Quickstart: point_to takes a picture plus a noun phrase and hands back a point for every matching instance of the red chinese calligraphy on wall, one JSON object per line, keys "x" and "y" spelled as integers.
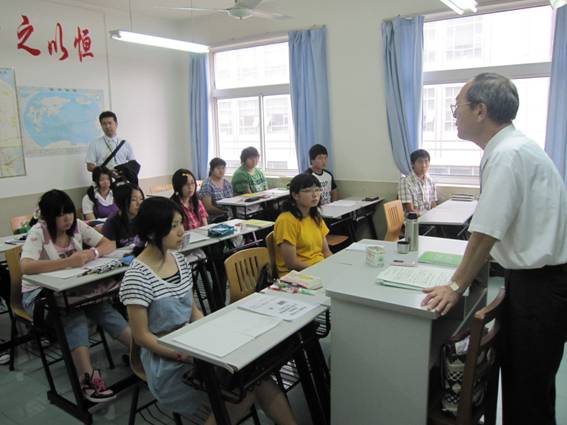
{"x": 83, "y": 43}
{"x": 57, "y": 43}
{"x": 25, "y": 30}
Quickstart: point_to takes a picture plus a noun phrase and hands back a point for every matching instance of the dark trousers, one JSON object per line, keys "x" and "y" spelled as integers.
{"x": 533, "y": 338}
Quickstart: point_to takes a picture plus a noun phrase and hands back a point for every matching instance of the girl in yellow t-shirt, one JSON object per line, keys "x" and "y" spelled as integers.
{"x": 300, "y": 232}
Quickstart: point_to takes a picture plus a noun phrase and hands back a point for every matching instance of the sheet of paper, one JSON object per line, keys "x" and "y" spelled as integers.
{"x": 360, "y": 246}
{"x": 344, "y": 203}
{"x": 245, "y": 322}
{"x": 275, "y": 306}
{"x": 121, "y": 252}
{"x": 228, "y": 332}
{"x": 213, "y": 340}
{"x": 194, "y": 237}
{"x": 66, "y": 273}
{"x": 417, "y": 277}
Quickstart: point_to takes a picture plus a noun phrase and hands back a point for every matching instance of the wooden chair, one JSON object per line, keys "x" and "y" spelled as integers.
{"x": 242, "y": 271}
{"x": 335, "y": 241}
{"x": 394, "y": 213}
{"x": 19, "y": 221}
{"x": 161, "y": 188}
{"x": 138, "y": 369}
{"x": 480, "y": 343}
{"x": 19, "y": 314}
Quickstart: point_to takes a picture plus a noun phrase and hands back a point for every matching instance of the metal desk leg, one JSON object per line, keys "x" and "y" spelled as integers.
{"x": 212, "y": 385}
{"x": 318, "y": 408}
{"x": 80, "y": 409}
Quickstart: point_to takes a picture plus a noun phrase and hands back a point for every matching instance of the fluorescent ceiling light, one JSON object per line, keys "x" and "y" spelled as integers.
{"x": 556, "y": 4}
{"x": 150, "y": 40}
{"x": 460, "y": 6}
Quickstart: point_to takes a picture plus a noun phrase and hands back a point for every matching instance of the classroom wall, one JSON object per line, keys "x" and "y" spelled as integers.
{"x": 147, "y": 88}
{"x": 360, "y": 139}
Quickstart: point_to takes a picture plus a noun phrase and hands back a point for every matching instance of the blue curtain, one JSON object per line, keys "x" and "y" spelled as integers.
{"x": 199, "y": 113}
{"x": 309, "y": 92}
{"x": 403, "y": 50}
{"x": 556, "y": 137}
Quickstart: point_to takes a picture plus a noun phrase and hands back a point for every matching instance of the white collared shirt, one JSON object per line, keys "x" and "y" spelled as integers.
{"x": 99, "y": 149}
{"x": 523, "y": 203}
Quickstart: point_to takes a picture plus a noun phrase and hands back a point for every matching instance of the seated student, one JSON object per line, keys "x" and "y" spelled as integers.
{"x": 157, "y": 291}
{"x": 417, "y": 191}
{"x": 318, "y": 158}
{"x": 99, "y": 200}
{"x": 248, "y": 178}
{"x": 185, "y": 195}
{"x": 54, "y": 243}
{"x": 300, "y": 231}
{"x": 120, "y": 227}
{"x": 215, "y": 187}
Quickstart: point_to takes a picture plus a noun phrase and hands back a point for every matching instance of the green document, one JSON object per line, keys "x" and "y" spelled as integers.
{"x": 440, "y": 258}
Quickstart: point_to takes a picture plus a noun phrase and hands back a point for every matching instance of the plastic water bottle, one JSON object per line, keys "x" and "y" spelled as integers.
{"x": 412, "y": 231}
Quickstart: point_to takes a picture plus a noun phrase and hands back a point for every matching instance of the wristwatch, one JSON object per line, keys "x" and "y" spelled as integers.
{"x": 455, "y": 287}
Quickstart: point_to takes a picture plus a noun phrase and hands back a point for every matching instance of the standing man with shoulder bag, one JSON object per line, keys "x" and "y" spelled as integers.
{"x": 108, "y": 150}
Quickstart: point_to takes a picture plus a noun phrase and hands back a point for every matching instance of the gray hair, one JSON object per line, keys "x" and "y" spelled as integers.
{"x": 498, "y": 93}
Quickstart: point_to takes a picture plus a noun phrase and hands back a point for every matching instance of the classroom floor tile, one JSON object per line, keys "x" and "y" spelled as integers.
{"x": 23, "y": 392}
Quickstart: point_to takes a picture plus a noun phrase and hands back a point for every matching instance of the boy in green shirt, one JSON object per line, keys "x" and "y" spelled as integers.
{"x": 247, "y": 178}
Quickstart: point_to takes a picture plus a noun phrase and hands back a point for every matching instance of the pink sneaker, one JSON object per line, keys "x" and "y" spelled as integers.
{"x": 94, "y": 388}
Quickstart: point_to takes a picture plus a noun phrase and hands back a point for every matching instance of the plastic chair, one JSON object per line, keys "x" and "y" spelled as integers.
{"x": 271, "y": 245}
{"x": 480, "y": 343}
{"x": 242, "y": 271}
{"x": 19, "y": 221}
{"x": 394, "y": 213}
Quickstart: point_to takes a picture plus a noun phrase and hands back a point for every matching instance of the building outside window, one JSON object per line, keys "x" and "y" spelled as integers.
{"x": 252, "y": 107}
{"x": 515, "y": 43}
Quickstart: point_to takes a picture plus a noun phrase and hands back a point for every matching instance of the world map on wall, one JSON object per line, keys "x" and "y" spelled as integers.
{"x": 59, "y": 121}
{"x": 11, "y": 149}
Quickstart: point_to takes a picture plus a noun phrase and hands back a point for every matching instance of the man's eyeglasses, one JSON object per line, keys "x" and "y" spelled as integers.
{"x": 456, "y": 105}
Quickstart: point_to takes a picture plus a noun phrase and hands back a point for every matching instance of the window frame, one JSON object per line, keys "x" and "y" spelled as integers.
{"x": 462, "y": 75}
{"x": 259, "y": 92}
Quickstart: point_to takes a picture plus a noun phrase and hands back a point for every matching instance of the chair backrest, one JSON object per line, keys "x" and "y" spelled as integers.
{"x": 17, "y": 222}
{"x": 136, "y": 362}
{"x": 13, "y": 261}
{"x": 271, "y": 245}
{"x": 242, "y": 271}
{"x": 161, "y": 188}
{"x": 394, "y": 220}
{"x": 480, "y": 344}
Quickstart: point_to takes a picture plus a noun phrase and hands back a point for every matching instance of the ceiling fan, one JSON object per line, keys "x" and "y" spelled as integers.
{"x": 242, "y": 9}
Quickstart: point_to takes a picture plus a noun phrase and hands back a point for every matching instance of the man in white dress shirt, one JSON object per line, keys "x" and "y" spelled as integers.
{"x": 521, "y": 220}
{"x": 102, "y": 147}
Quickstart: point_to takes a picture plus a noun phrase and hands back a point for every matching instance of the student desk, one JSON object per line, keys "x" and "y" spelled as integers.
{"x": 296, "y": 333}
{"x": 79, "y": 408}
{"x": 384, "y": 343}
{"x": 451, "y": 213}
{"x": 350, "y": 211}
{"x": 270, "y": 196}
{"x": 4, "y": 246}
{"x": 213, "y": 247}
